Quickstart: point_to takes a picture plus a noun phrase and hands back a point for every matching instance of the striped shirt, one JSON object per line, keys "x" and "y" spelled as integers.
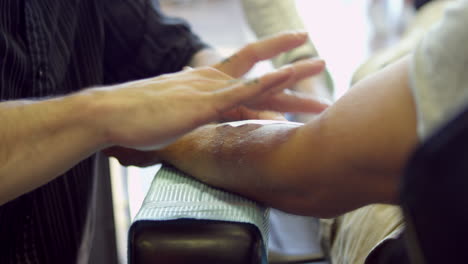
{"x": 55, "y": 47}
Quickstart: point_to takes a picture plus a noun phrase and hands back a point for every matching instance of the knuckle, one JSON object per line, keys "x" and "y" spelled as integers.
{"x": 249, "y": 50}
{"x": 206, "y": 69}
{"x": 214, "y": 72}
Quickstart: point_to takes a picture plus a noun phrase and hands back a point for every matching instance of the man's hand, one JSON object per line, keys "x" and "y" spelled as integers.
{"x": 235, "y": 67}
{"x": 151, "y": 113}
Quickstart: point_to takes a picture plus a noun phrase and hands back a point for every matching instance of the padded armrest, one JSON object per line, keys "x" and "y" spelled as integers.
{"x": 185, "y": 221}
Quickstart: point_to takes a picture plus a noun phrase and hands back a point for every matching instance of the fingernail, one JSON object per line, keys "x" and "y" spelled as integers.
{"x": 294, "y": 34}
{"x": 289, "y": 69}
{"x": 325, "y": 102}
{"x": 301, "y": 34}
{"x": 315, "y": 61}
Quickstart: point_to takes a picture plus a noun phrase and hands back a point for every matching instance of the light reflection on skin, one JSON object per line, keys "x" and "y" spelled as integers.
{"x": 248, "y": 134}
{"x": 261, "y": 122}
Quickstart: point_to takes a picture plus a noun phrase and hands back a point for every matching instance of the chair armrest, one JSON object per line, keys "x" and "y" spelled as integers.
{"x": 185, "y": 221}
{"x": 194, "y": 241}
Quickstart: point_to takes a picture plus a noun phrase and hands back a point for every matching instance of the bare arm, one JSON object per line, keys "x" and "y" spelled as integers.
{"x": 350, "y": 156}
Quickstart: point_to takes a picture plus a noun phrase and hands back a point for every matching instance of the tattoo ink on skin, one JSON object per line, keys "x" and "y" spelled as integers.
{"x": 253, "y": 81}
{"x": 228, "y": 59}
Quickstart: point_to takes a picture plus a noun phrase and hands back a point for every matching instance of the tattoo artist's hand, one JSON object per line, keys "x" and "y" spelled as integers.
{"x": 234, "y": 67}
{"x": 151, "y": 113}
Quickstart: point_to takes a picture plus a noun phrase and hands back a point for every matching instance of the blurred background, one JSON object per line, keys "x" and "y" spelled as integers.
{"x": 345, "y": 32}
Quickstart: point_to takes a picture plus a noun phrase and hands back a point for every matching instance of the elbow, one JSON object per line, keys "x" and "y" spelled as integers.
{"x": 317, "y": 195}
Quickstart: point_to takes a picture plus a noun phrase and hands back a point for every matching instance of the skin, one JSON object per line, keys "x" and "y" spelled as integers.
{"x": 55, "y": 134}
{"x": 350, "y": 156}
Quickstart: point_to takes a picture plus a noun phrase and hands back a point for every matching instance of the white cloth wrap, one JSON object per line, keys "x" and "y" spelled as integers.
{"x": 174, "y": 195}
{"x": 269, "y": 17}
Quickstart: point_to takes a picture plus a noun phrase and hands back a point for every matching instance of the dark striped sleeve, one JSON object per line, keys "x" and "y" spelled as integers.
{"x": 142, "y": 42}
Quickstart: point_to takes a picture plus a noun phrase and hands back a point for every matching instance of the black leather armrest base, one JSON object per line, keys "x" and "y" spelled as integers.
{"x": 194, "y": 241}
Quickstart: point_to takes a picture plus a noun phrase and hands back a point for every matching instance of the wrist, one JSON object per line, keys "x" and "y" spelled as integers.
{"x": 91, "y": 113}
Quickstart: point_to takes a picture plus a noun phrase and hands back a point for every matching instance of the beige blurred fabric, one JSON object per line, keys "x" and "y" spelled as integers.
{"x": 429, "y": 15}
{"x": 351, "y": 237}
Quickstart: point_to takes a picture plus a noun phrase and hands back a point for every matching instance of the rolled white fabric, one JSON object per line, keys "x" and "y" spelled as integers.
{"x": 269, "y": 17}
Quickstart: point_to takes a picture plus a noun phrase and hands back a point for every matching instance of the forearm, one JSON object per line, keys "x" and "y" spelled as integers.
{"x": 276, "y": 164}
{"x": 42, "y": 139}
{"x": 350, "y": 156}
{"x": 236, "y": 158}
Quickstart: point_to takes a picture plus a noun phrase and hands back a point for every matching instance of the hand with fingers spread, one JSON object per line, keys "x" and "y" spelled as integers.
{"x": 198, "y": 103}
{"x": 151, "y": 113}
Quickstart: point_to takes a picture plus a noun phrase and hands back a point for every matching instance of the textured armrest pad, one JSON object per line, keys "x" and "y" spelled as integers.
{"x": 185, "y": 221}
